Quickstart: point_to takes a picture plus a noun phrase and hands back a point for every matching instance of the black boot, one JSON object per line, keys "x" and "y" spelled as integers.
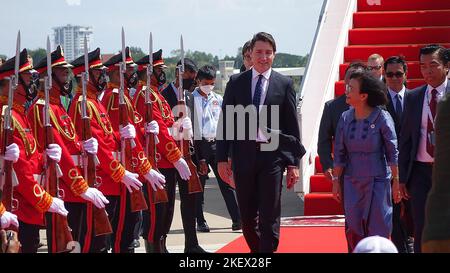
{"x": 163, "y": 244}
{"x": 149, "y": 247}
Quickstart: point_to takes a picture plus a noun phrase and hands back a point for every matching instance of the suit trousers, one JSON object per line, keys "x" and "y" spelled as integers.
{"x": 258, "y": 189}
{"x": 419, "y": 186}
{"x": 187, "y": 206}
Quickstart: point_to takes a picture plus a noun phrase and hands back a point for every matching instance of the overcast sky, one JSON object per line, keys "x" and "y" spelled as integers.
{"x": 219, "y": 27}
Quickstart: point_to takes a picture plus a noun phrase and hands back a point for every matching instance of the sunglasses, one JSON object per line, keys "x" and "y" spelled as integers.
{"x": 396, "y": 74}
{"x": 370, "y": 68}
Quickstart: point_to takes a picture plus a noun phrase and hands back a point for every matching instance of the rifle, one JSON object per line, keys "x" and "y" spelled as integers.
{"x": 61, "y": 233}
{"x": 100, "y": 217}
{"x": 160, "y": 195}
{"x": 7, "y": 183}
{"x": 194, "y": 185}
{"x": 137, "y": 199}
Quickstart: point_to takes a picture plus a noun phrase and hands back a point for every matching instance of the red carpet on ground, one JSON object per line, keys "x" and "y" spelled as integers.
{"x": 300, "y": 240}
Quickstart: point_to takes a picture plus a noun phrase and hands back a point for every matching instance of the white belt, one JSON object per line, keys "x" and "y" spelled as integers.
{"x": 78, "y": 160}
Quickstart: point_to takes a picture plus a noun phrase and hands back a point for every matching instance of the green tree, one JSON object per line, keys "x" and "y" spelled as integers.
{"x": 37, "y": 55}
{"x": 137, "y": 53}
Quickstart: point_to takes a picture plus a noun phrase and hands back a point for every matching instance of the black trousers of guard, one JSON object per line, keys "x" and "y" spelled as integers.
{"x": 29, "y": 237}
{"x": 188, "y": 203}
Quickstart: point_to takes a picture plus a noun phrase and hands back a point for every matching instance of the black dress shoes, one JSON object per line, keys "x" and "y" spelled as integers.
{"x": 202, "y": 227}
{"x": 236, "y": 226}
{"x": 195, "y": 249}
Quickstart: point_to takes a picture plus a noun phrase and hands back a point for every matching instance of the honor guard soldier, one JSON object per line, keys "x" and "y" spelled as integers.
{"x": 113, "y": 178}
{"x": 111, "y": 101}
{"x": 75, "y": 188}
{"x": 29, "y": 199}
{"x": 170, "y": 160}
{"x": 155, "y": 218}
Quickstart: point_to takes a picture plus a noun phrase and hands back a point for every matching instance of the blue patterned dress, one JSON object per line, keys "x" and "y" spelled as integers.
{"x": 365, "y": 149}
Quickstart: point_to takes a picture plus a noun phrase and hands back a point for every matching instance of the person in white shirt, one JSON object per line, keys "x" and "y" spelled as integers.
{"x": 417, "y": 136}
{"x": 205, "y": 112}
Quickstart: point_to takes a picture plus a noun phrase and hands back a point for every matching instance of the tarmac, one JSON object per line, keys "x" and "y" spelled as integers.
{"x": 216, "y": 216}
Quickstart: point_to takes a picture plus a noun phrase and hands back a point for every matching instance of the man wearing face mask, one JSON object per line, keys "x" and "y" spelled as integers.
{"x": 205, "y": 111}
{"x": 170, "y": 93}
{"x": 76, "y": 190}
{"x": 33, "y": 200}
{"x": 111, "y": 102}
{"x": 115, "y": 180}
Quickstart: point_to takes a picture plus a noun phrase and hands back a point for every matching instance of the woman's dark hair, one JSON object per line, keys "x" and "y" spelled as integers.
{"x": 373, "y": 87}
{"x": 264, "y": 37}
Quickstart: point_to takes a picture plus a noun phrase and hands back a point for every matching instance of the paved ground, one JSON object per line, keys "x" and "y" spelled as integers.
{"x": 218, "y": 220}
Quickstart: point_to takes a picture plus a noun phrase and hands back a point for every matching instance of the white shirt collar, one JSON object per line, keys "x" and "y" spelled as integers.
{"x": 266, "y": 74}
{"x": 441, "y": 88}
{"x": 401, "y": 93}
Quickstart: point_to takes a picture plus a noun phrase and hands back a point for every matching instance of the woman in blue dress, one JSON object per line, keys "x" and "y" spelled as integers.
{"x": 366, "y": 151}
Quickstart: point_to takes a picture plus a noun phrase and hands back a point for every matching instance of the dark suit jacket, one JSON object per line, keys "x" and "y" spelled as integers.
{"x": 332, "y": 112}
{"x": 410, "y": 130}
{"x": 170, "y": 95}
{"x": 280, "y": 92}
{"x": 438, "y": 206}
{"x": 391, "y": 109}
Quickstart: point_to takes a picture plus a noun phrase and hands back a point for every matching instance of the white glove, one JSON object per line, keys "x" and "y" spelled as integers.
{"x": 12, "y": 153}
{"x": 96, "y": 197}
{"x": 91, "y": 145}
{"x": 152, "y": 127}
{"x": 131, "y": 181}
{"x": 155, "y": 179}
{"x": 57, "y": 206}
{"x": 128, "y": 131}
{"x": 54, "y": 152}
{"x": 182, "y": 168}
{"x": 7, "y": 219}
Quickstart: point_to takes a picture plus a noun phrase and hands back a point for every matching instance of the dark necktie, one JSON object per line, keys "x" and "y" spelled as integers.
{"x": 258, "y": 91}
{"x": 257, "y": 98}
{"x": 430, "y": 124}
{"x": 398, "y": 106}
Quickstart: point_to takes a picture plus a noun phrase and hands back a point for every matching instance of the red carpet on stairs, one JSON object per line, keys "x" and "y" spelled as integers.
{"x": 386, "y": 27}
{"x": 300, "y": 240}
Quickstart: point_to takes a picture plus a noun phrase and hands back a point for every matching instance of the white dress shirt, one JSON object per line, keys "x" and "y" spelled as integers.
{"x": 402, "y": 97}
{"x": 265, "y": 85}
{"x": 422, "y": 154}
{"x": 207, "y": 113}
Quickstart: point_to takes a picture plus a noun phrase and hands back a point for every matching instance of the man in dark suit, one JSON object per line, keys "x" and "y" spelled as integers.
{"x": 332, "y": 112}
{"x": 170, "y": 93}
{"x": 257, "y": 163}
{"x": 395, "y": 74}
{"x": 417, "y": 136}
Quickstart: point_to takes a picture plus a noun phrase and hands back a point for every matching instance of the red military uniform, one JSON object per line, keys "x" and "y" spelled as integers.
{"x": 110, "y": 101}
{"x": 110, "y": 170}
{"x": 167, "y": 148}
{"x": 32, "y": 197}
{"x": 65, "y": 136}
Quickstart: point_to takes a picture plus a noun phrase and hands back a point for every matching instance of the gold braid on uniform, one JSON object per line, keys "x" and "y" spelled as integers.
{"x": 118, "y": 171}
{"x": 45, "y": 199}
{"x": 91, "y": 108}
{"x": 173, "y": 153}
{"x": 2, "y": 209}
{"x": 29, "y": 148}
{"x": 78, "y": 185}
{"x": 156, "y": 99}
{"x": 144, "y": 165}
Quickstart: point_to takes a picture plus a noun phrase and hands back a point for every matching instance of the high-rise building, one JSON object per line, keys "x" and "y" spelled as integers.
{"x": 71, "y": 38}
